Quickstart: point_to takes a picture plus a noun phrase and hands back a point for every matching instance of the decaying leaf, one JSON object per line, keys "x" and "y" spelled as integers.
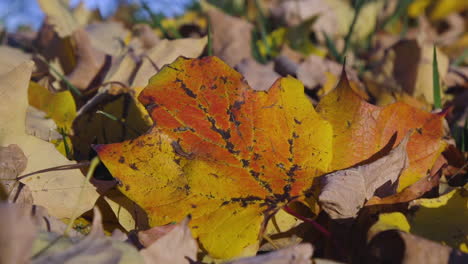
{"x": 231, "y": 37}
{"x": 12, "y": 163}
{"x": 215, "y": 154}
{"x": 344, "y": 192}
{"x": 361, "y": 131}
{"x": 260, "y": 77}
{"x": 313, "y": 71}
{"x": 177, "y": 246}
{"x": 89, "y": 63}
{"x": 58, "y": 191}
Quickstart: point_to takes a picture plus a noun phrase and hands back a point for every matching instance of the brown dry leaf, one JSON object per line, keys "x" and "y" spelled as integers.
{"x": 415, "y": 190}
{"x": 295, "y": 12}
{"x": 298, "y": 254}
{"x": 94, "y": 248}
{"x": 260, "y": 77}
{"x": 89, "y": 63}
{"x": 177, "y": 246}
{"x": 313, "y": 71}
{"x": 58, "y": 191}
{"x": 146, "y": 34}
{"x": 108, "y": 37}
{"x": 17, "y": 234}
{"x": 165, "y": 52}
{"x": 334, "y": 16}
{"x": 394, "y": 246}
{"x": 232, "y": 37}
{"x": 344, "y": 192}
{"x": 117, "y": 80}
{"x": 12, "y": 163}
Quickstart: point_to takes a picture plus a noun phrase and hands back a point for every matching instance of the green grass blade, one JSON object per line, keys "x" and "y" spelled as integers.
{"x": 436, "y": 81}
{"x": 72, "y": 88}
{"x": 357, "y": 10}
{"x": 332, "y": 48}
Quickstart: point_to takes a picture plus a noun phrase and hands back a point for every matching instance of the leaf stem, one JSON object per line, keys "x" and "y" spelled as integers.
{"x": 92, "y": 167}
{"x": 317, "y": 226}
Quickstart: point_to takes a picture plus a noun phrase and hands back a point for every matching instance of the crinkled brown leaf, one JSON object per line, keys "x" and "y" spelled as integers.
{"x": 232, "y": 37}
{"x": 344, "y": 192}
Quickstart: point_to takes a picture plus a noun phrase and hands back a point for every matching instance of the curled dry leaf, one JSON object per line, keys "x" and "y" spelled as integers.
{"x": 361, "y": 131}
{"x": 58, "y": 191}
{"x": 176, "y": 246}
{"x": 12, "y": 163}
{"x": 17, "y": 233}
{"x": 344, "y": 192}
{"x": 89, "y": 61}
{"x": 298, "y": 254}
{"x": 216, "y": 155}
{"x": 231, "y": 37}
{"x": 415, "y": 190}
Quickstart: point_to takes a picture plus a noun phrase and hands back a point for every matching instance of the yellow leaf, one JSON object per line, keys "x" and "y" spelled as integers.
{"x": 215, "y": 154}
{"x": 443, "y": 219}
{"x": 389, "y": 221}
{"x": 58, "y": 106}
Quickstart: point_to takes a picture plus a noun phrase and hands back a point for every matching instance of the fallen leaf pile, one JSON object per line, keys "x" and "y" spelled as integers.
{"x": 305, "y": 131}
